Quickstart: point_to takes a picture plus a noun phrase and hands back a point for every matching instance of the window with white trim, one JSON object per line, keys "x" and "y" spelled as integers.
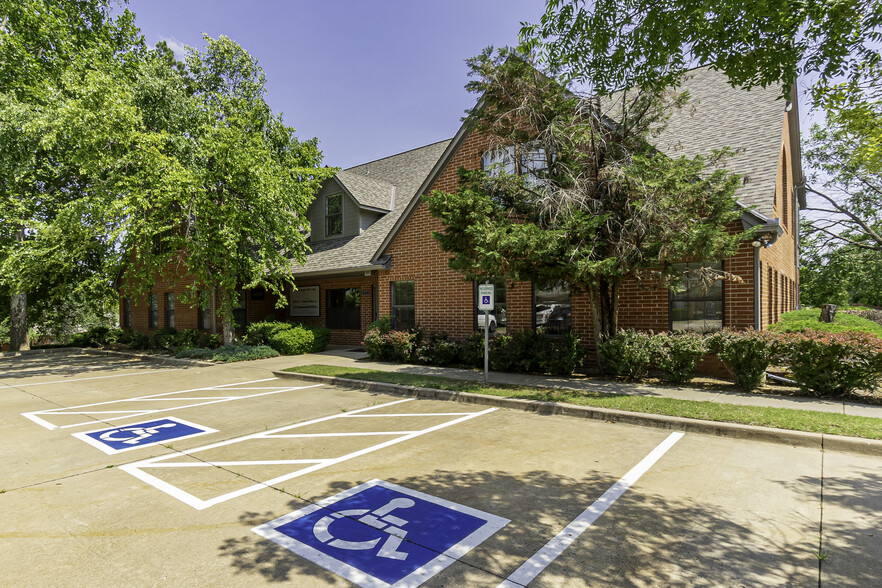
{"x": 333, "y": 215}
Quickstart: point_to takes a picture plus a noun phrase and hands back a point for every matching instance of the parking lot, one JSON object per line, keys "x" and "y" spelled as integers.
{"x": 115, "y": 471}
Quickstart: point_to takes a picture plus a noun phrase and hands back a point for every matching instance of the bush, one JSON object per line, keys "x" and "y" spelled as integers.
{"x": 565, "y": 356}
{"x": 677, "y": 355}
{"x": 210, "y": 340}
{"x": 472, "y": 351}
{"x": 382, "y": 324}
{"x": 230, "y": 353}
{"x": 321, "y": 337}
{"x": 97, "y": 337}
{"x": 260, "y": 333}
{"x": 139, "y": 341}
{"x": 628, "y": 354}
{"x": 747, "y": 354}
{"x": 438, "y": 350}
{"x": 404, "y": 344}
{"x": 186, "y": 339}
{"x": 294, "y": 341}
{"x": 378, "y": 347}
{"x": 833, "y": 364}
{"x": 163, "y": 339}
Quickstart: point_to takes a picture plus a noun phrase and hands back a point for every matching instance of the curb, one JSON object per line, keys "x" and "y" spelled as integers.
{"x": 147, "y": 357}
{"x": 819, "y": 441}
{"x": 34, "y": 351}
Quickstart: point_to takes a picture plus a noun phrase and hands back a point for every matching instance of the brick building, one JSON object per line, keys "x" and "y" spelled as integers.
{"x": 373, "y": 254}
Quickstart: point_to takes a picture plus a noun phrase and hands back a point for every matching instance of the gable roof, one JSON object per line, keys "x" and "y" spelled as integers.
{"x": 366, "y": 191}
{"x": 717, "y": 115}
{"x": 390, "y": 183}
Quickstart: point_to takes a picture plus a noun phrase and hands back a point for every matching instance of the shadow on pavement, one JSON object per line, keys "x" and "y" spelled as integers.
{"x": 643, "y": 540}
{"x": 64, "y": 363}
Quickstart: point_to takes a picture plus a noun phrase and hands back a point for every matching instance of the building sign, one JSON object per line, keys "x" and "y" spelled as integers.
{"x": 128, "y": 437}
{"x": 381, "y": 534}
{"x": 305, "y": 301}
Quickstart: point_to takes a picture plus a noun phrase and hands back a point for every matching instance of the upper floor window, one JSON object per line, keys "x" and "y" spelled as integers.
{"x": 531, "y": 164}
{"x": 696, "y": 305}
{"x": 333, "y": 215}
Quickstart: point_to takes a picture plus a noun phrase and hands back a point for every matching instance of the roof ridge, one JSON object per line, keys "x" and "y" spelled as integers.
{"x": 396, "y": 154}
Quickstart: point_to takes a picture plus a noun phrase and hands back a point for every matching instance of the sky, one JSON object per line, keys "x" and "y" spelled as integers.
{"x": 369, "y": 78}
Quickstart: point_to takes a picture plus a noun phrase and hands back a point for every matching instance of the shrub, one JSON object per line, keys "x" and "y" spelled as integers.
{"x": 139, "y": 340}
{"x": 321, "y": 337}
{"x": 404, "y": 344}
{"x": 438, "y": 350}
{"x": 382, "y": 324}
{"x": 677, "y": 355}
{"x": 378, "y": 347}
{"x": 230, "y": 353}
{"x": 747, "y": 354}
{"x": 186, "y": 339}
{"x": 628, "y": 354}
{"x": 163, "y": 339}
{"x": 564, "y": 357}
{"x": 833, "y": 364}
{"x": 210, "y": 340}
{"x": 472, "y": 352}
{"x": 295, "y": 341}
{"x": 260, "y": 333}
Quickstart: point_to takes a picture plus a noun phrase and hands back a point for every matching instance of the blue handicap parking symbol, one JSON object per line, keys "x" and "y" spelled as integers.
{"x": 380, "y": 534}
{"x": 485, "y": 300}
{"x": 127, "y": 437}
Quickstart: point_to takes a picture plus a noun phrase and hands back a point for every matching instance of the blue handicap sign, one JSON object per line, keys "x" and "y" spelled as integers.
{"x": 133, "y": 436}
{"x": 380, "y": 534}
{"x": 485, "y": 300}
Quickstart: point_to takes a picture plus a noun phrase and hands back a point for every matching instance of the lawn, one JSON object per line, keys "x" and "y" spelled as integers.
{"x": 780, "y": 418}
{"x": 799, "y": 320}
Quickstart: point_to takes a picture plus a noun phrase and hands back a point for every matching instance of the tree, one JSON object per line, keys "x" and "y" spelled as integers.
{"x": 846, "y": 187}
{"x": 233, "y": 210}
{"x": 617, "y": 43}
{"x": 61, "y": 125}
{"x": 594, "y": 204}
{"x": 839, "y": 273}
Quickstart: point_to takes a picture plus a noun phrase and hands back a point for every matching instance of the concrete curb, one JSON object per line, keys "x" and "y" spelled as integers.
{"x": 858, "y": 445}
{"x": 34, "y": 351}
{"x": 164, "y": 359}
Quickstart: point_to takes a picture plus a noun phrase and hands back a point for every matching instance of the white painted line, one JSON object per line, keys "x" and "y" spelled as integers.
{"x": 84, "y": 379}
{"x": 364, "y": 434}
{"x": 414, "y": 414}
{"x": 137, "y": 469}
{"x": 205, "y": 464}
{"x": 40, "y": 417}
{"x": 541, "y": 560}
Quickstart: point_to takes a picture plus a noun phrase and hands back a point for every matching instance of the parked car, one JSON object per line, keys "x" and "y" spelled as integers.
{"x": 482, "y": 321}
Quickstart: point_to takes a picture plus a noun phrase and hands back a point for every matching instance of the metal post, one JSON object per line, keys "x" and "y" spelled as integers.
{"x": 486, "y": 343}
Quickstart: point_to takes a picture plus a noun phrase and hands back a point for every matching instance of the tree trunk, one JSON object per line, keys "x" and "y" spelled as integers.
{"x": 18, "y": 315}
{"x": 604, "y": 297}
{"x": 828, "y": 313}
{"x": 18, "y": 323}
{"x": 225, "y": 307}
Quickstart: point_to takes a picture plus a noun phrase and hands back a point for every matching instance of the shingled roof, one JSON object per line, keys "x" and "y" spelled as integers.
{"x": 390, "y": 184}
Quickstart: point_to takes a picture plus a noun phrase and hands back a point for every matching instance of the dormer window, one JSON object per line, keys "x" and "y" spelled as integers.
{"x": 333, "y": 215}
{"x": 532, "y": 164}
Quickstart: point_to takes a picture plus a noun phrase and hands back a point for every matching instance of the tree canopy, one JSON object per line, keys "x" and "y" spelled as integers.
{"x": 576, "y": 193}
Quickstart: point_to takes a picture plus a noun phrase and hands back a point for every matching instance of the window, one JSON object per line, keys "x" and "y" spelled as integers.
{"x": 205, "y": 314}
{"x": 497, "y": 315}
{"x": 170, "y": 310}
{"x": 552, "y": 309}
{"x": 696, "y": 305}
{"x": 153, "y": 312}
{"x": 240, "y": 314}
{"x": 531, "y": 164}
{"x": 403, "y": 305}
{"x": 127, "y": 313}
{"x": 344, "y": 308}
{"x": 333, "y": 215}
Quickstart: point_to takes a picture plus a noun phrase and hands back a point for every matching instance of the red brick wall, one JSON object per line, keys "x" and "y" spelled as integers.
{"x": 339, "y": 336}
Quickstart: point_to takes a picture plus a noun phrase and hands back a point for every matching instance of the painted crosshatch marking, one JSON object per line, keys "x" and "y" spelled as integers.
{"x": 379, "y": 534}
{"x": 136, "y": 435}
{"x": 217, "y": 462}
{"x": 114, "y": 410}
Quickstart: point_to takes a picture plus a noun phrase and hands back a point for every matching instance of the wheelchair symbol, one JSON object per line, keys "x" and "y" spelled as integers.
{"x": 135, "y": 434}
{"x": 379, "y": 519}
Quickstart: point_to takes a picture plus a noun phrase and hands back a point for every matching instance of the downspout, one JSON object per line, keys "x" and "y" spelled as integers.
{"x": 757, "y": 291}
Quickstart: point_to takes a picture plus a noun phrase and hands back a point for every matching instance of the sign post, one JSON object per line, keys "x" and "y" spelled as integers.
{"x": 486, "y": 302}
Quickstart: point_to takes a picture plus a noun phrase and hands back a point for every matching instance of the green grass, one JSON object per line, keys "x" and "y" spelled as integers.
{"x": 779, "y": 418}
{"x": 799, "y": 320}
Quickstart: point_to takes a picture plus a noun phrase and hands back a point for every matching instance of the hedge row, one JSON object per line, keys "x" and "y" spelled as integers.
{"x": 288, "y": 338}
{"x": 821, "y": 363}
{"x": 522, "y": 352}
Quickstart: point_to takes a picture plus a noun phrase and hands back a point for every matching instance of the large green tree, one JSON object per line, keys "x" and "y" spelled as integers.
{"x": 233, "y": 211}
{"x": 578, "y": 194}
{"x": 63, "y": 125}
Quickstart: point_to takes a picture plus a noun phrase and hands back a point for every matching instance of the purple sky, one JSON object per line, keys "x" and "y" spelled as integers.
{"x": 369, "y": 78}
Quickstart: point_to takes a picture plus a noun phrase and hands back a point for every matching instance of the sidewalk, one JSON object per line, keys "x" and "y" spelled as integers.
{"x": 344, "y": 356}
